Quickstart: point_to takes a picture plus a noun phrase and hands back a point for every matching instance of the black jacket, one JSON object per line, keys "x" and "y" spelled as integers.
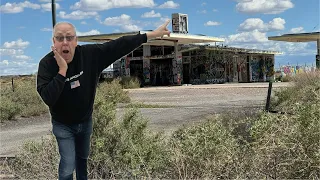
{"x": 70, "y": 99}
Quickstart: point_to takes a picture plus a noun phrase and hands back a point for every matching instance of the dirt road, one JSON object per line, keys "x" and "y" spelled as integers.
{"x": 190, "y": 104}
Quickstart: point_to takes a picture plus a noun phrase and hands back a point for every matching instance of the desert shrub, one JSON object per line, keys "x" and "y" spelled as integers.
{"x": 37, "y": 160}
{"x": 27, "y": 95}
{"x": 286, "y": 78}
{"x": 111, "y": 92}
{"x": 23, "y": 101}
{"x": 8, "y": 109}
{"x": 125, "y": 148}
{"x": 305, "y": 90}
{"x": 287, "y": 146}
{"x": 205, "y": 151}
{"x": 130, "y": 82}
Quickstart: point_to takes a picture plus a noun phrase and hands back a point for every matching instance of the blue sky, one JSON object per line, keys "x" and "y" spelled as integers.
{"x": 26, "y": 25}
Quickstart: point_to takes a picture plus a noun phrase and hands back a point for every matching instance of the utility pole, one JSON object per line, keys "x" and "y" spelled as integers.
{"x": 53, "y": 8}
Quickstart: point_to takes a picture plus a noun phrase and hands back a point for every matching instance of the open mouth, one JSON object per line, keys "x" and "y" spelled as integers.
{"x": 65, "y": 51}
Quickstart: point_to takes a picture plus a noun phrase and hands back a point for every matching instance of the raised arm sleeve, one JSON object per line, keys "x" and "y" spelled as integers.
{"x": 49, "y": 87}
{"x": 115, "y": 49}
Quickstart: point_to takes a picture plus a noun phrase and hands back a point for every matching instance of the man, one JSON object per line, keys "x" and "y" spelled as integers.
{"x": 67, "y": 80}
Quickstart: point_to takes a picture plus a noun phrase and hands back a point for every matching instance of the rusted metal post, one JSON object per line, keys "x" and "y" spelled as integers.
{"x": 268, "y": 96}
{"x": 12, "y": 84}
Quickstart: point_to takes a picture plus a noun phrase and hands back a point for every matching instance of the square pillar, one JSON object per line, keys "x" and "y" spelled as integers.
{"x": 235, "y": 68}
{"x": 146, "y": 63}
{"x": 177, "y": 65}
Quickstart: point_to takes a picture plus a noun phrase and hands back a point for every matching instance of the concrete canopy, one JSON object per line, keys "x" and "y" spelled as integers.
{"x": 301, "y": 37}
{"x": 165, "y": 41}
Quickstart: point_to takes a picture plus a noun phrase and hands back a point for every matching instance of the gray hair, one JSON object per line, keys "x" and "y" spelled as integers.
{"x": 55, "y": 26}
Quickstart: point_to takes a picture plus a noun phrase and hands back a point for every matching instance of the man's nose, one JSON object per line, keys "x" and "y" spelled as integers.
{"x": 65, "y": 40}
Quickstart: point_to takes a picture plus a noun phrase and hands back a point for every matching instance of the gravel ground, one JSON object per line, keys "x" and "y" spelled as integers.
{"x": 190, "y": 104}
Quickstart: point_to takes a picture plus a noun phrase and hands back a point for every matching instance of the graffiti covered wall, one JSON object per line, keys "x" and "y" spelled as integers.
{"x": 293, "y": 70}
{"x": 208, "y": 67}
{"x": 261, "y": 68}
{"x": 212, "y": 66}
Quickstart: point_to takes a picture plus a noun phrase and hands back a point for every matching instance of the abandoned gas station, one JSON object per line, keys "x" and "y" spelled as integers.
{"x": 184, "y": 58}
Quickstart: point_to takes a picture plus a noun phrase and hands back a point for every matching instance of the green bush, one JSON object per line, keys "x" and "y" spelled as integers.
{"x": 130, "y": 82}
{"x": 8, "y": 109}
{"x": 125, "y": 148}
{"x": 23, "y": 101}
{"x": 287, "y": 146}
{"x": 286, "y": 78}
{"x": 305, "y": 90}
{"x": 37, "y": 160}
{"x": 206, "y": 151}
{"x": 111, "y": 92}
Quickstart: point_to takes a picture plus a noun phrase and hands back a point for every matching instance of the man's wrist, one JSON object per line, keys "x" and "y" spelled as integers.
{"x": 151, "y": 35}
{"x": 63, "y": 72}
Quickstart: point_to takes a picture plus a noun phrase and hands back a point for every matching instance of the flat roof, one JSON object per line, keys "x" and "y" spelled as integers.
{"x": 299, "y": 37}
{"x": 226, "y": 48}
{"x": 165, "y": 41}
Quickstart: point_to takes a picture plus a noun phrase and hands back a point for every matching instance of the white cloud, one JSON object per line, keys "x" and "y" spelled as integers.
{"x": 19, "y": 44}
{"x": 77, "y": 15}
{"x": 83, "y": 22}
{"x": 92, "y": 32}
{"x": 296, "y": 30}
{"x": 203, "y": 4}
{"x": 117, "y": 20}
{"x": 17, "y": 7}
{"x": 215, "y": 10}
{"x": 255, "y": 23}
{"x": 212, "y": 23}
{"x": 17, "y": 67}
{"x": 46, "y": 29}
{"x": 11, "y": 52}
{"x": 100, "y": 5}
{"x": 131, "y": 27}
{"x": 247, "y": 37}
{"x": 16, "y": 62}
{"x": 169, "y": 5}
{"x": 150, "y": 14}
{"x": 22, "y": 57}
{"x": 15, "y": 49}
{"x": 47, "y": 6}
{"x": 5, "y": 62}
{"x": 259, "y": 40}
{"x": 124, "y": 21}
{"x": 264, "y": 6}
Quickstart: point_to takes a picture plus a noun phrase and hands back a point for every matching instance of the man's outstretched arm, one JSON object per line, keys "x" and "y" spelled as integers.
{"x": 113, "y": 50}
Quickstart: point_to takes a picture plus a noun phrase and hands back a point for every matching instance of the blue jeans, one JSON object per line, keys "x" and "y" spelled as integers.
{"x": 74, "y": 146}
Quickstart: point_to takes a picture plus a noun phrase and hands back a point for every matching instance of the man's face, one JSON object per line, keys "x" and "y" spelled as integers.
{"x": 65, "y": 41}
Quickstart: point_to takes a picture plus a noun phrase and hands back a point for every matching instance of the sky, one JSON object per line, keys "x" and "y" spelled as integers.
{"x": 26, "y": 26}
